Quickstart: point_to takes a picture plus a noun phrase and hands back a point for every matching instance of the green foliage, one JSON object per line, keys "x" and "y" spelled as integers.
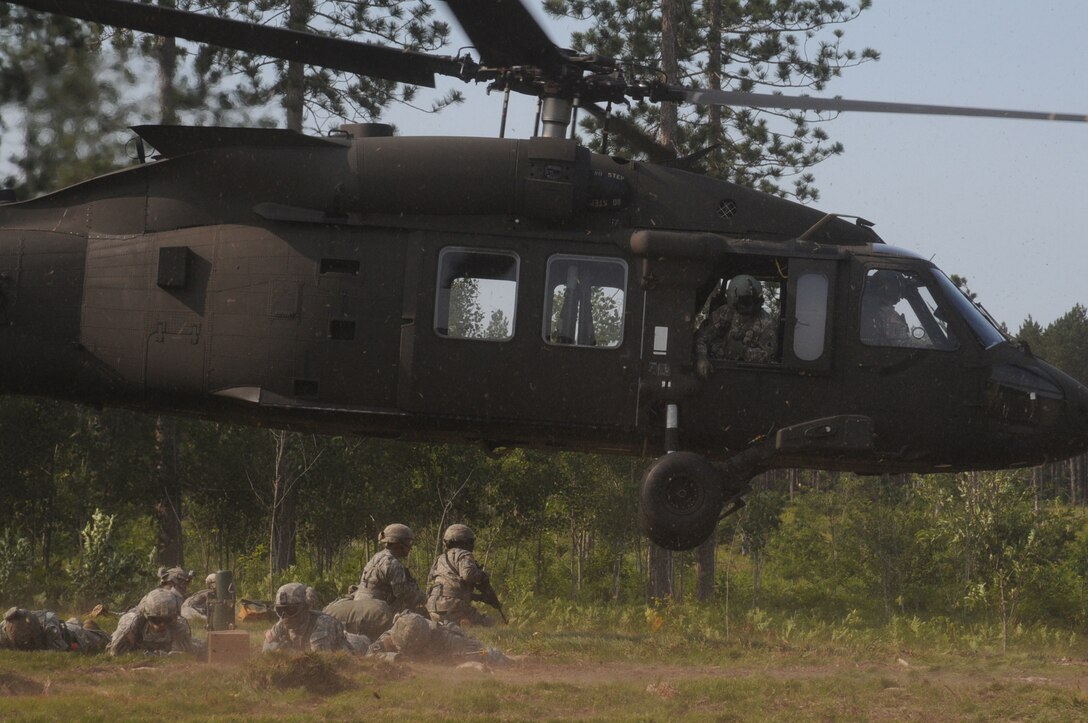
{"x": 314, "y": 95}
{"x": 66, "y": 97}
{"x": 466, "y": 320}
{"x": 16, "y": 563}
{"x": 104, "y": 571}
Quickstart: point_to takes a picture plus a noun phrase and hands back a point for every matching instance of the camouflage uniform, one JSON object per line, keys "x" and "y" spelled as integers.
{"x": 729, "y": 334}
{"x": 195, "y": 607}
{"x": 361, "y": 615}
{"x": 86, "y": 637}
{"x": 300, "y": 628}
{"x": 135, "y": 630}
{"x": 882, "y": 325}
{"x": 43, "y": 630}
{"x": 454, "y": 577}
{"x": 429, "y": 640}
{"x": 317, "y": 633}
{"x": 386, "y": 578}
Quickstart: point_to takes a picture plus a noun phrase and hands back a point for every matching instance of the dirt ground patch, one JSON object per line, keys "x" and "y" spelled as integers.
{"x": 752, "y": 686}
{"x": 528, "y": 670}
{"x": 15, "y": 684}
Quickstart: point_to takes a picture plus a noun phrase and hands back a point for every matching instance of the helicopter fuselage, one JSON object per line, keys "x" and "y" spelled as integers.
{"x": 500, "y": 292}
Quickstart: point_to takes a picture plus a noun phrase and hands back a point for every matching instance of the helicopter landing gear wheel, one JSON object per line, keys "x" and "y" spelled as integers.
{"x": 680, "y": 500}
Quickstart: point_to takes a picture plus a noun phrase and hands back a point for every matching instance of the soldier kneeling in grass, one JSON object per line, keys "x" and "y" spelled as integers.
{"x": 303, "y": 629}
{"x": 457, "y": 580}
{"x": 43, "y": 630}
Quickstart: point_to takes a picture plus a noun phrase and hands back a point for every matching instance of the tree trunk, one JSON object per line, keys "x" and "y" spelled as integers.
{"x": 284, "y": 504}
{"x": 661, "y": 573}
{"x": 714, "y": 66}
{"x": 169, "y": 548}
{"x": 705, "y": 568}
{"x": 296, "y": 71}
{"x": 671, "y": 67}
{"x": 757, "y": 576}
{"x": 538, "y": 577}
{"x": 167, "y": 53}
{"x": 1072, "y": 482}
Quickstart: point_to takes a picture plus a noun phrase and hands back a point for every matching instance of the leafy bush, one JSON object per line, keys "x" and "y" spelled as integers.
{"x": 16, "y": 563}
{"x": 103, "y": 571}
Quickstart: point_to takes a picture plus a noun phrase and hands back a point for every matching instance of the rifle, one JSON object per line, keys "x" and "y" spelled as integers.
{"x": 488, "y": 596}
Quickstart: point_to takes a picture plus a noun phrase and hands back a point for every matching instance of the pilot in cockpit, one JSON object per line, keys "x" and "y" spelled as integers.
{"x": 881, "y": 324}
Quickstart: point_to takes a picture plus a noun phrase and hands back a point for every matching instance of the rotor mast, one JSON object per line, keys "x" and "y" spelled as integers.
{"x": 555, "y": 116}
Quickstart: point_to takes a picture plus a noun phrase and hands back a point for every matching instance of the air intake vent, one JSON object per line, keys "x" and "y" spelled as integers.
{"x": 340, "y": 266}
{"x": 367, "y": 130}
{"x": 727, "y": 208}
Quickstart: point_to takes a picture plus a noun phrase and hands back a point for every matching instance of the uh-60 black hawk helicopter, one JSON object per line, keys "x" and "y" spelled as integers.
{"x": 268, "y": 277}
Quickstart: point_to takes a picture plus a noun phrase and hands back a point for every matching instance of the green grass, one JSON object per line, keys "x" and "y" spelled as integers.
{"x": 680, "y": 668}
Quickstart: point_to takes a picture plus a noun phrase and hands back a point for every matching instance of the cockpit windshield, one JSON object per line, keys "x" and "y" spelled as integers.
{"x": 980, "y": 322}
{"x": 898, "y": 310}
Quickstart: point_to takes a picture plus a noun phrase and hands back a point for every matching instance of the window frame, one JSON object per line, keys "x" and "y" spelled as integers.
{"x": 927, "y": 280}
{"x": 441, "y": 292}
{"x": 799, "y": 267}
{"x": 548, "y": 298}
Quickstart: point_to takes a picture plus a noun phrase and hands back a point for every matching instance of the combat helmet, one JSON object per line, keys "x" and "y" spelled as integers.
{"x": 175, "y": 576}
{"x": 745, "y": 293}
{"x": 160, "y": 605}
{"x": 397, "y": 534}
{"x": 885, "y": 285}
{"x": 459, "y": 536}
{"x": 210, "y": 579}
{"x": 291, "y": 600}
{"x": 410, "y": 632}
{"x": 23, "y": 629}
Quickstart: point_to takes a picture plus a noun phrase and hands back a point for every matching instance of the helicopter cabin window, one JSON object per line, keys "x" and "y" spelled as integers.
{"x": 810, "y": 318}
{"x": 477, "y": 294}
{"x": 899, "y": 310}
{"x": 741, "y": 319}
{"x": 584, "y": 300}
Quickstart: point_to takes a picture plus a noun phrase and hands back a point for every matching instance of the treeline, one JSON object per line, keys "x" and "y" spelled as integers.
{"x": 92, "y": 500}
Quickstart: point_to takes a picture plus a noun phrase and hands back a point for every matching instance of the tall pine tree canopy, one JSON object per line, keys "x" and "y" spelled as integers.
{"x": 745, "y": 45}
{"x": 313, "y": 96}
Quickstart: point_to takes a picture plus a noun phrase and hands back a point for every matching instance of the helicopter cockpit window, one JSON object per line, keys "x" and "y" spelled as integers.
{"x": 584, "y": 301}
{"x": 980, "y": 322}
{"x": 477, "y": 294}
{"x": 898, "y": 310}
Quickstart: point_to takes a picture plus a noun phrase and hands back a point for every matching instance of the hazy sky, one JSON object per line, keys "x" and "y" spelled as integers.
{"x": 1001, "y": 202}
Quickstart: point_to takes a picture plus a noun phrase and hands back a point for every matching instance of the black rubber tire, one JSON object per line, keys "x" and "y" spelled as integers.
{"x": 680, "y": 500}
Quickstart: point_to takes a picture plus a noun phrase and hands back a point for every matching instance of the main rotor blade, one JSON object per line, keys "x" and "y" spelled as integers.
{"x": 803, "y": 102}
{"x": 403, "y": 66}
{"x": 506, "y": 35}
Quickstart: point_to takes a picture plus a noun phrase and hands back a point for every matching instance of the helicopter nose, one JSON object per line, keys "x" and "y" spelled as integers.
{"x": 1069, "y": 431}
{"x": 1042, "y": 411}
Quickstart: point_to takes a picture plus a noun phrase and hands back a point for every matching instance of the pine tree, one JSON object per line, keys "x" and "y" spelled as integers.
{"x": 313, "y": 96}
{"x": 64, "y": 93}
{"x": 753, "y": 45}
